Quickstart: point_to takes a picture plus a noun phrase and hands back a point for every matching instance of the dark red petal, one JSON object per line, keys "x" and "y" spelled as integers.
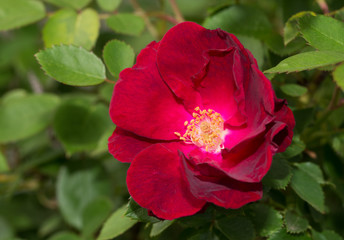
{"x": 283, "y": 114}
{"x": 155, "y": 181}
{"x": 221, "y": 190}
{"x": 124, "y": 145}
{"x": 180, "y": 57}
{"x": 143, "y": 104}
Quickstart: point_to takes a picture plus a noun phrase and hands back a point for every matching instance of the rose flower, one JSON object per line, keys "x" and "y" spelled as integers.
{"x": 198, "y": 121}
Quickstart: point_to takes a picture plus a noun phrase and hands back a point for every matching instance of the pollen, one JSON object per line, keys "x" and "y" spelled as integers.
{"x": 205, "y": 130}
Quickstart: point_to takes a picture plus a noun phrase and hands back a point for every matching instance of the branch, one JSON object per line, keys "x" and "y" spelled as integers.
{"x": 176, "y": 11}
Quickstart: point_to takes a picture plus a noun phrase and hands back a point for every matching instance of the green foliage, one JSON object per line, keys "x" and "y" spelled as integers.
{"x": 236, "y": 228}
{"x": 266, "y": 219}
{"x": 69, "y": 27}
{"x": 72, "y": 65}
{"x": 24, "y": 116}
{"x": 118, "y": 56}
{"x": 17, "y": 13}
{"x": 293, "y": 90}
{"x": 308, "y": 189}
{"x": 109, "y": 5}
{"x": 116, "y": 224}
{"x": 57, "y": 179}
{"x": 126, "y": 23}
{"x": 294, "y": 223}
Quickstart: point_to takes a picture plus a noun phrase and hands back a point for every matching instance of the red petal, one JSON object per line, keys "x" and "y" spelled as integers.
{"x": 180, "y": 57}
{"x": 155, "y": 181}
{"x": 221, "y": 190}
{"x": 124, "y": 145}
{"x": 143, "y": 104}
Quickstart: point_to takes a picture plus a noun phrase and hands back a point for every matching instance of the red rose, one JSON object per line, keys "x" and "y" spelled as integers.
{"x": 198, "y": 122}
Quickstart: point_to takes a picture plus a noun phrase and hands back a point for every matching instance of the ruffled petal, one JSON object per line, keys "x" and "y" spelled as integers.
{"x": 155, "y": 181}
{"x": 124, "y": 145}
{"x": 283, "y": 138}
{"x": 220, "y": 189}
{"x": 143, "y": 104}
{"x": 180, "y": 58}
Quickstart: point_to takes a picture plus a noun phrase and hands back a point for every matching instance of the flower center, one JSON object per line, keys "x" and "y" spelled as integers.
{"x": 205, "y": 130}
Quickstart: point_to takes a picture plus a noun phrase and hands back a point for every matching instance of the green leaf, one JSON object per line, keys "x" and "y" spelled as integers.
{"x": 240, "y": 19}
{"x": 116, "y": 224}
{"x": 279, "y": 175}
{"x": 117, "y": 56}
{"x": 323, "y": 33}
{"x": 76, "y": 4}
{"x": 291, "y": 28}
{"x": 295, "y": 223}
{"x": 68, "y": 27}
{"x": 6, "y": 231}
{"x": 94, "y": 215}
{"x": 283, "y": 235}
{"x": 296, "y": 147}
{"x": 25, "y": 116}
{"x": 326, "y": 235}
{"x": 139, "y": 213}
{"x": 109, "y": 5}
{"x": 308, "y": 189}
{"x": 293, "y": 90}
{"x": 80, "y": 126}
{"x": 312, "y": 170}
{"x": 236, "y": 228}
{"x": 338, "y": 76}
{"x": 126, "y": 23}
{"x": 72, "y": 65}
{"x": 75, "y": 191}
{"x": 266, "y": 220}
{"x": 159, "y": 227}
{"x": 17, "y": 13}
{"x": 307, "y": 60}
{"x": 64, "y": 236}
{"x": 3, "y": 164}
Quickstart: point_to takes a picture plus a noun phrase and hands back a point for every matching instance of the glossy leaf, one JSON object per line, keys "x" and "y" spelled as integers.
{"x": 159, "y": 227}
{"x": 296, "y": 147}
{"x": 291, "y": 29}
{"x": 116, "y": 224}
{"x": 283, "y": 235}
{"x": 126, "y": 23}
{"x": 139, "y": 213}
{"x": 266, "y": 219}
{"x": 308, "y": 189}
{"x": 18, "y": 13}
{"x": 22, "y": 117}
{"x": 68, "y": 27}
{"x": 293, "y": 90}
{"x": 295, "y": 223}
{"x": 307, "y": 60}
{"x": 109, "y": 5}
{"x": 117, "y": 56}
{"x": 72, "y": 65}
{"x": 323, "y": 32}
{"x": 313, "y": 170}
{"x": 236, "y": 228}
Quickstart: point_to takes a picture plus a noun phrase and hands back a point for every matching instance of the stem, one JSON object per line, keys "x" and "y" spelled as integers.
{"x": 34, "y": 83}
{"x": 109, "y": 81}
{"x": 176, "y": 11}
{"x": 163, "y": 17}
{"x": 323, "y": 6}
{"x": 145, "y": 17}
{"x": 333, "y": 102}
